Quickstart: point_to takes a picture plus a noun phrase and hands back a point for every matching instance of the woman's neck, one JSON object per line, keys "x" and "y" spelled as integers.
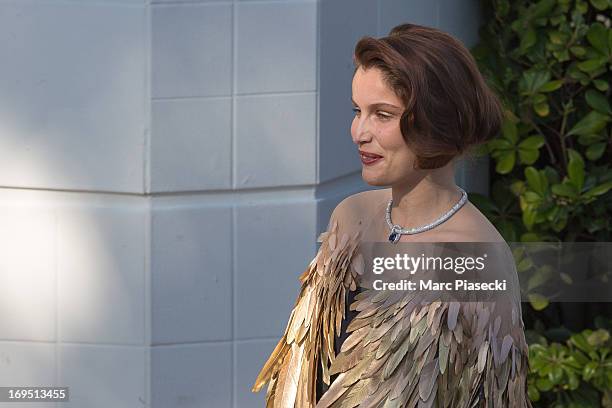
{"x": 422, "y": 201}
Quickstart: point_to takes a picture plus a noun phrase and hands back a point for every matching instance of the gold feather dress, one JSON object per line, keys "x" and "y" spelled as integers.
{"x": 400, "y": 352}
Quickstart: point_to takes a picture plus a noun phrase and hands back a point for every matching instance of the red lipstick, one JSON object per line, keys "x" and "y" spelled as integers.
{"x": 368, "y": 158}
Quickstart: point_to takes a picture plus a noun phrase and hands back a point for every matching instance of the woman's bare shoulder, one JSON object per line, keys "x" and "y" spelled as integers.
{"x": 471, "y": 225}
{"x": 357, "y": 209}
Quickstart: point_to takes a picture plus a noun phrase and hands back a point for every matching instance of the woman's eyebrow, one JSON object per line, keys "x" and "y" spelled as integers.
{"x": 378, "y": 104}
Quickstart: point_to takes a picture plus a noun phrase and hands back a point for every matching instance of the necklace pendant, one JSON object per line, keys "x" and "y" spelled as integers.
{"x": 395, "y": 236}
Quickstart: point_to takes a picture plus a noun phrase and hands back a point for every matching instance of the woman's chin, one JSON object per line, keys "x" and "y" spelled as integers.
{"x": 372, "y": 180}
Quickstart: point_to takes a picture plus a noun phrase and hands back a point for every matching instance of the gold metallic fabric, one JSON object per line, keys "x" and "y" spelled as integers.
{"x": 400, "y": 351}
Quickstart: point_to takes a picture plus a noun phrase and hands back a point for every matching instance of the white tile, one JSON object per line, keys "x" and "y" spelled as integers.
{"x": 336, "y": 151}
{"x": 25, "y": 364}
{"x": 275, "y": 140}
{"x": 394, "y": 12}
{"x": 27, "y": 273}
{"x": 191, "y": 144}
{"x": 72, "y": 112}
{"x": 101, "y": 253}
{"x": 274, "y": 243}
{"x": 191, "y": 274}
{"x": 106, "y": 3}
{"x": 276, "y": 46}
{"x": 186, "y": 1}
{"x": 191, "y": 46}
{"x": 460, "y": 19}
{"x": 103, "y": 376}
{"x": 195, "y": 375}
{"x": 250, "y": 358}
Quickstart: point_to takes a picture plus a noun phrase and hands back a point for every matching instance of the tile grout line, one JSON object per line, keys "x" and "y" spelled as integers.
{"x": 317, "y": 91}
{"x": 56, "y": 300}
{"x": 148, "y": 227}
{"x": 233, "y": 45}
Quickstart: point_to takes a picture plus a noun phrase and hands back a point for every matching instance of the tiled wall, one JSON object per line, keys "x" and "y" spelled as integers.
{"x": 154, "y": 157}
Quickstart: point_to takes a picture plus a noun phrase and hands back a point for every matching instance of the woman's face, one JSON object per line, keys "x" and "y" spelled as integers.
{"x": 376, "y": 129}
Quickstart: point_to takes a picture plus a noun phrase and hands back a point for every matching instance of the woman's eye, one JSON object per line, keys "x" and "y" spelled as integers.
{"x": 380, "y": 115}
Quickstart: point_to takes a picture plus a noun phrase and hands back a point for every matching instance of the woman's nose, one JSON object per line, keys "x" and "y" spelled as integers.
{"x": 361, "y": 131}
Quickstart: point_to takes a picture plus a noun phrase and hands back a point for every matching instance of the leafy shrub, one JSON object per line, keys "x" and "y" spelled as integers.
{"x": 550, "y": 63}
{"x": 575, "y": 374}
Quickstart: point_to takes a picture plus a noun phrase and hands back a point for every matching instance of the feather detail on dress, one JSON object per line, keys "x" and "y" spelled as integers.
{"x": 405, "y": 352}
{"x": 401, "y": 351}
{"x": 314, "y": 323}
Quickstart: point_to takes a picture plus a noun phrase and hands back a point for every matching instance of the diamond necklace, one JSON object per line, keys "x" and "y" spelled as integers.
{"x": 397, "y": 231}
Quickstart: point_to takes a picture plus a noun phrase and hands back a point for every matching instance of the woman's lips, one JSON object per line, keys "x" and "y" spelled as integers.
{"x": 369, "y": 159}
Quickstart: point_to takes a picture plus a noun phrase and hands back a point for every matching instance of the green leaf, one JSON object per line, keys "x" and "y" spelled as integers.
{"x": 530, "y": 237}
{"x": 598, "y": 337}
{"x": 551, "y": 86}
{"x": 544, "y": 384}
{"x": 557, "y": 37}
{"x": 533, "y": 393}
{"x": 562, "y": 55}
{"x": 505, "y": 162}
{"x": 553, "y": 213}
{"x": 565, "y": 190}
{"x": 600, "y": 4}
{"x": 524, "y": 264}
{"x": 578, "y": 51}
{"x": 517, "y": 187}
{"x": 599, "y": 190}
{"x": 575, "y": 169}
{"x": 556, "y": 374}
{"x": 595, "y": 151}
{"x": 537, "y": 301}
{"x": 579, "y": 340}
{"x": 528, "y": 39}
{"x": 532, "y": 197}
{"x": 509, "y": 131}
{"x": 601, "y": 85}
{"x": 581, "y": 6}
{"x": 541, "y": 9}
{"x": 539, "y": 98}
{"x": 589, "y": 139}
{"x": 542, "y": 109}
{"x": 528, "y": 156}
{"x": 539, "y": 278}
{"x": 589, "y": 370}
{"x": 532, "y": 81}
{"x": 533, "y": 180}
{"x": 501, "y": 144}
{"x": 529, "y": 216}
{"x": 593, "y": 122}
{"x": 590, "y": 65}
{"x": 551, "y": 174}
{"x": 573, "y": 380}
{"x": 532, "y": 142}
{"x": 598, "y": 37}
{"x": 597, "y": 101}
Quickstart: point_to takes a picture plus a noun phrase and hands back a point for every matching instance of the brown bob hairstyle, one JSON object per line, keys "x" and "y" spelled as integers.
{"x": 448, "y": 106}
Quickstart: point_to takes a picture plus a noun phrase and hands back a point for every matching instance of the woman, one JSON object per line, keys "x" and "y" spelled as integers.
{"x": 420, "y": 103}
